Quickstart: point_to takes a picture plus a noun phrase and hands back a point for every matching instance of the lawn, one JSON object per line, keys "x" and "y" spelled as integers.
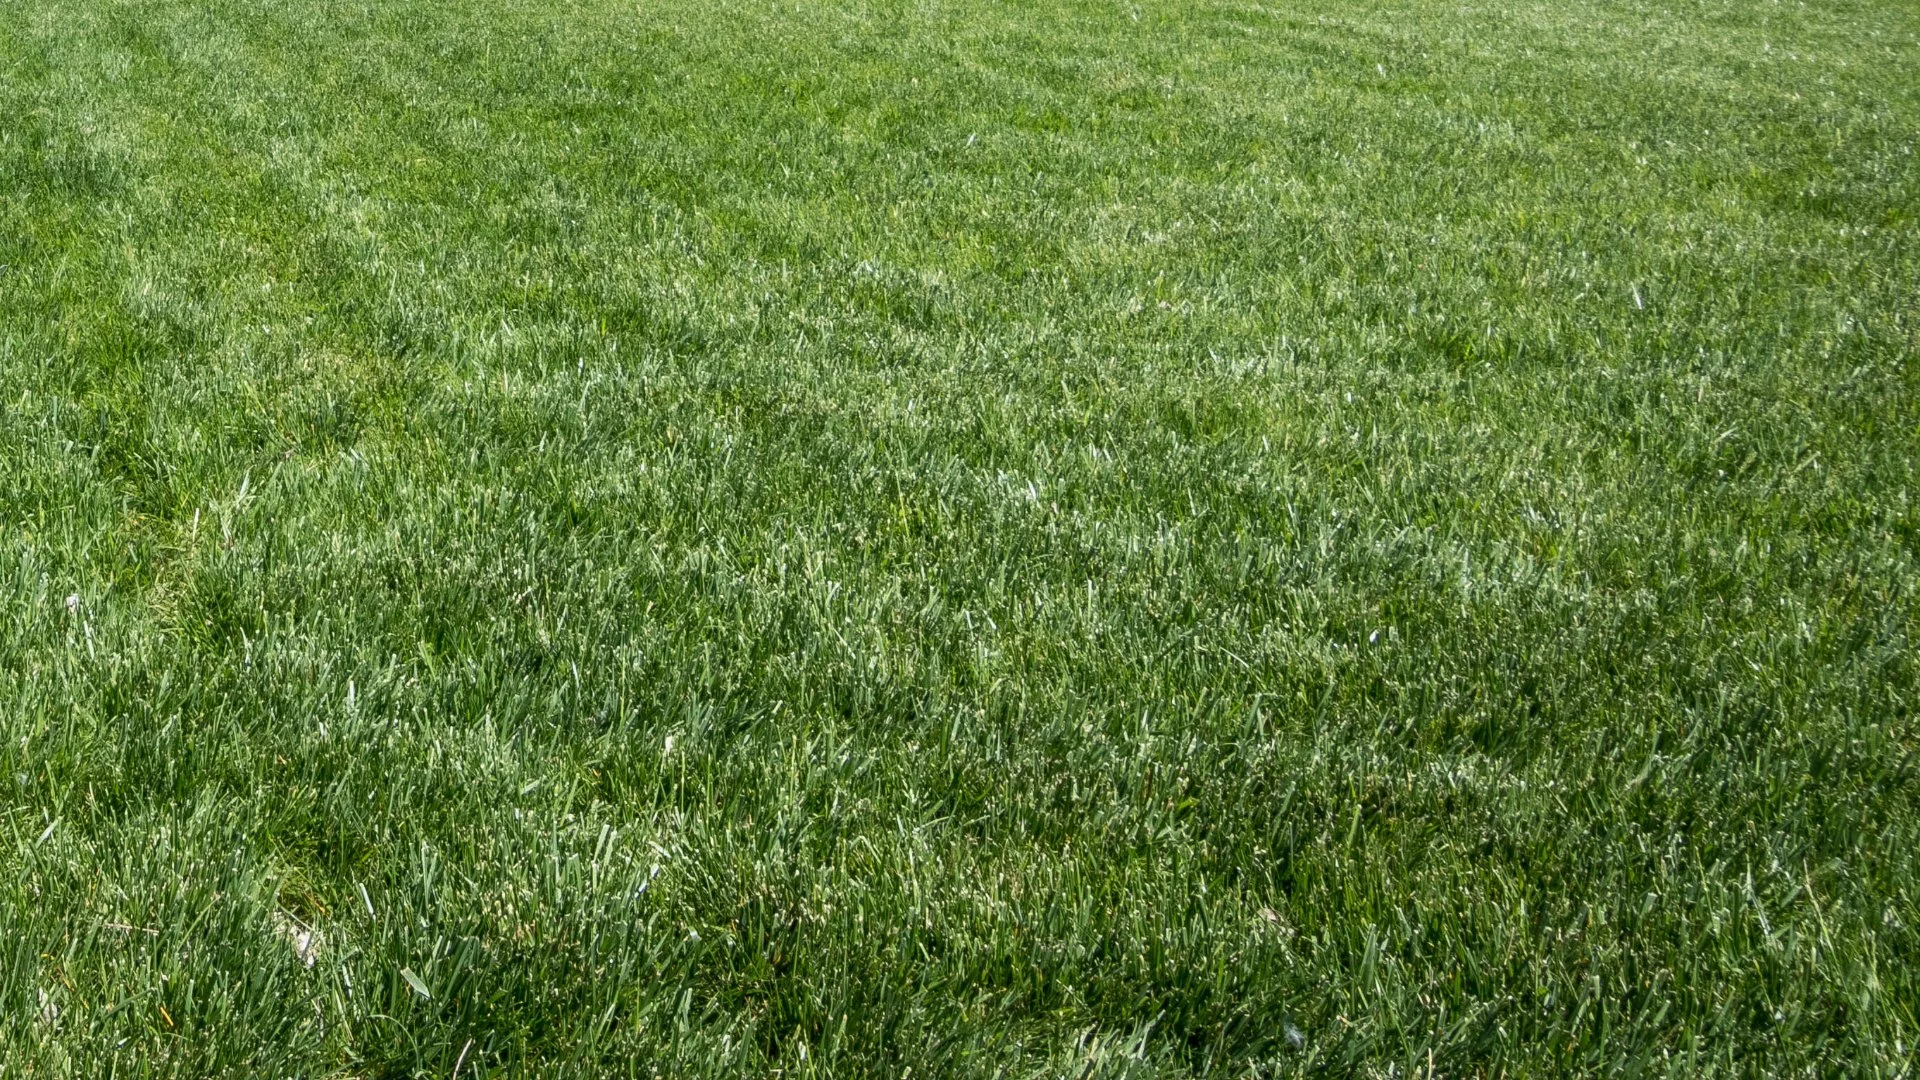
{"x": 885, "y": 538}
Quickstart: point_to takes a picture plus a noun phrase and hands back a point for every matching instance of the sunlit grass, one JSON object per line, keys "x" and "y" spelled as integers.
{"x": 958, "y": 538}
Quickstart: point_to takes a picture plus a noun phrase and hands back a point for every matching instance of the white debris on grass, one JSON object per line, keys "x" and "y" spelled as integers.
{"x": 306, "y": 941}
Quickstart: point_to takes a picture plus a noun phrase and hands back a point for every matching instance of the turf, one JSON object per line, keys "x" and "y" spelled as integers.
{"x": 959, "y": 538}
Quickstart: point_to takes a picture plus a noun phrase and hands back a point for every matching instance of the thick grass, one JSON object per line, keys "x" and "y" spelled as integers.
{"x": 958, "y": 538}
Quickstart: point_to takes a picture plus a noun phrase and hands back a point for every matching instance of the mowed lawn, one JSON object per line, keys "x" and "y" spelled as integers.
{"x": 885, "y": 538}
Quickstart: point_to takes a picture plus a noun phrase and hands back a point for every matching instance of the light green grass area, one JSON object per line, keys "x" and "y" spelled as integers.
{"x": 884, "y": 538}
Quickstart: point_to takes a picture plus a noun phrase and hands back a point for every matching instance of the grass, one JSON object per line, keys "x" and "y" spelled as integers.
{"x": 957, "y": 538}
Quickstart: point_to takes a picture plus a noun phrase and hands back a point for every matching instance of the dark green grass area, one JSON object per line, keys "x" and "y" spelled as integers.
{"x": 959, "y": 538}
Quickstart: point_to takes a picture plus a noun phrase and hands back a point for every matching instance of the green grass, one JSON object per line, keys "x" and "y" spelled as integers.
{"x": 959, "y": 538}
